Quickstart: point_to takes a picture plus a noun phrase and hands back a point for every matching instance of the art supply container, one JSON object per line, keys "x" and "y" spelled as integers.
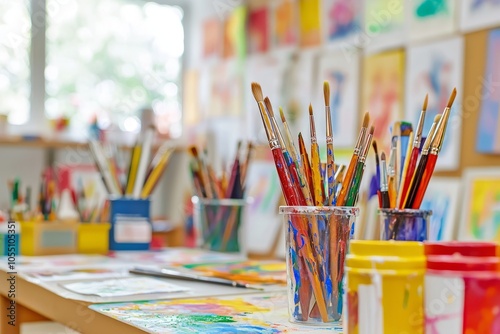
{"x": 48, "y": 238}
{"x": 404, "y": 225}
{"x": 384, "y": 290}
{"x": 220, "y": 224}
{"x": 464, "y": 248}
{"x": 9, "y": 238}
{"x": 93, "y": 238}
{"x": 317, "y": 241}
{"x": 462, "y": 294}
{"x": 131, "y": 227}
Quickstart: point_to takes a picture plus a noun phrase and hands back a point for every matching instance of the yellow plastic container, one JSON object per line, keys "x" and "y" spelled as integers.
{"x": 384, "y": 291}
{"x": 48, "y": 238}
{"x": 93, "y": 238}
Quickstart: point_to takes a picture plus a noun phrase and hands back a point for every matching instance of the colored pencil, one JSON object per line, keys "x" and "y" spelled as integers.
{"x": 414, "y": 153}
{"x": 133, "y": 166}
{"x": 354, "y": 160}
{"x": 143, "y": 162}
{"x": 330, "y": 156}
{"x": 158, "y": 167}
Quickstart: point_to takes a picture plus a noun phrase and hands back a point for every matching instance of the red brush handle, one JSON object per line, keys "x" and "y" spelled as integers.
{"x": 289, "y": 191}
{"x": 409, "y": 174}
{"x": 429, "y": 169}
{"x": 296, "y": 183}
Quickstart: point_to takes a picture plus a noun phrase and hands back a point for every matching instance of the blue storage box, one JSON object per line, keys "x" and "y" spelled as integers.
{"x": 131, "y": 227}
{"x": 11, "y": 241}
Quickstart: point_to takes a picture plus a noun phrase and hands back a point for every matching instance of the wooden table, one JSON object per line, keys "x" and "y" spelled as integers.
{"x": 35, "y": 303}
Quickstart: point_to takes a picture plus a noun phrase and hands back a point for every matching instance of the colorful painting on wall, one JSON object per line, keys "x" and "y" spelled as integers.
{"x": 341, "y": 19}
{"x": 310, "y": 23}
{"x": 488, "y": 134}
{"x": 431, "y": 18}
{"x": 258, "y": 313}
{"x": 383, "y": 79}
{"x": 481, "y": 207}
{"x": 212, "y": 36}
{"x": 227, "y": 89}
{"x": 479, "y": 14}
{"x": 343, "y": 76}
{"x": 285, "y": 18}
{"x": 384, "y": 24}
{"x": 258, "y": 30}
{"x": 443, "y": 196}
{"x": 435, "y": 69}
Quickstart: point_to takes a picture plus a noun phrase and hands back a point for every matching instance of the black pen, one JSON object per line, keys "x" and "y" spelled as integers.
{"x": 169, "y": 273}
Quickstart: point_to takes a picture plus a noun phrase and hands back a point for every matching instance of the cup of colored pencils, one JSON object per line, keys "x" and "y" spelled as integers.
{"x": 320, "y": 212}
{"x": 219, "y": 204}
{"x": 404, "y": 178}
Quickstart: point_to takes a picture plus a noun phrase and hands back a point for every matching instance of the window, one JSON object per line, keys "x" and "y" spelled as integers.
{"x": 15, "y": 27}
{"x": 105, "y": 60}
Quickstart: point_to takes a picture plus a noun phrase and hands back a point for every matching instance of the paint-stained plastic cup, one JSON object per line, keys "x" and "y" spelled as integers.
{"x": 317, "y": 241}
{"x": 384, "y": 287}
{"x": 219, "y": 224}
{"x": 404, "y": 225}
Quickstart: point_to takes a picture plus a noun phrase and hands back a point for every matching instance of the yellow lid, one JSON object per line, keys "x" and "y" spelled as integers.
{"x": 386, "y": 255}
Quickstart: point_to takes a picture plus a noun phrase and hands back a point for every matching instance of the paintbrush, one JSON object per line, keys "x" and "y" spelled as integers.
{"x": 417, "y": 176}
{"x": 358, "y": 174}
{"x": 396, "y": 142}
{"x": 202, "y": 173}
{"x": 391, "y": 173}
{"x": 384, "y": 186}
{"x": 307, "y": 166}
{"x": 354, "y": 160}
{"x": 290, "y": 163}
{"x": 437, "y": 143}
{"x": 377, "y": 169}
{"x": 298, "y": 161}
{"x": 405, "y": 129}
{"x": 244, "y": 169}
{"x": 330, "y": 156}
{"x": 414, "y": 153}
{"x": 174, "y": 274}
{"x": 315, "y": 162}
{"x": 405, "y": 171}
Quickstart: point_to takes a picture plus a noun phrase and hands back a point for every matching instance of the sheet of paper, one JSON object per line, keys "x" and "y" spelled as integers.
{"x": 123, "y": 287}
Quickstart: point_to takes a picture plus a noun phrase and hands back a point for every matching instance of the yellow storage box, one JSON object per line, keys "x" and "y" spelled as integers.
{"x": 93, "y": 238}
{"x": 48, "y": 238}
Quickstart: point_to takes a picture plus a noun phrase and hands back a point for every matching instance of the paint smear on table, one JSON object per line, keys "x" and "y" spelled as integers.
{"x": 259, "y": 313}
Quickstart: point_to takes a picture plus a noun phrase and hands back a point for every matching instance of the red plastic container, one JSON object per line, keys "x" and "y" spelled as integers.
{"x": 462, "y": 293}
{"x": 462, "y": 248}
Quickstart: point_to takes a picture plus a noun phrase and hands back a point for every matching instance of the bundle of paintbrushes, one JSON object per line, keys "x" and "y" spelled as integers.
{"x": 320, "y": 212}
{"x": 143, "y": 173}
{"x": 404, "y": 178}
{"x": 220, "y": 200}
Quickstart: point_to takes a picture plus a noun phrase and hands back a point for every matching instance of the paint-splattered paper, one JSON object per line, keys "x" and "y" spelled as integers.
{"x": 479, "y": 14}
{"x": 481, "y": 206}
{"x": 342, "y": 74}
{"x": 431, "y": 18}
{"x": 310, "y": 23}
{"x": 384, "y": 24}
{"x": 284, "y": 23}
{"x": 263, "y": 272}
{"x": 258, "y": 30}
{"x": 488, "y": 129}
{"x": 443, "y": 196}
{"x": 123, "y": 287}
{"x": 435, "y": 69}
{"x": 259, "y": 313}
{"x": 341, "y": 20}
{"x": 383, "y": 80}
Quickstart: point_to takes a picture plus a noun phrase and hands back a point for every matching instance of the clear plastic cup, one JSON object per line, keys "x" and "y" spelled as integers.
{"x": 405, "y": 224}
